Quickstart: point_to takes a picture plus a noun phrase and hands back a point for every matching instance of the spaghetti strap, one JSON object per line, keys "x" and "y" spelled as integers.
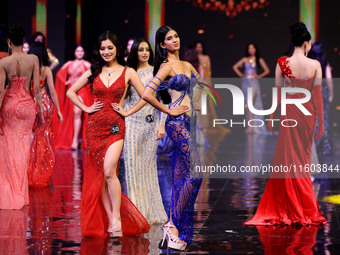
{"x": 187, "y": 66}
{"x": 170, "y": 67}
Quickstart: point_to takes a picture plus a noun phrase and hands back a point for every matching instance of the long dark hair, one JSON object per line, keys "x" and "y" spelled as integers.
{"x": 35, "y": 35}
{"x": 204, "y": 51}
{"x": 39, "y": 49}
{"x": 97, "y": 61}
{"x": 161, "y": 56}
{"x": 132, "y": 60}
{"x": 16, "y": 34}
{"x": 318, "y": 53}
{"x": 257, "y": 53}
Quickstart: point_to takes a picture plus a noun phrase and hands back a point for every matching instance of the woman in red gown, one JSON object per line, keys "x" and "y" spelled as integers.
{"x": 103, "y": 205}
{"x": 289, "y": 197}
{"x": 17, "y": 116}
{"x": 42, "y": 148}
{"x": 67, "y": 133}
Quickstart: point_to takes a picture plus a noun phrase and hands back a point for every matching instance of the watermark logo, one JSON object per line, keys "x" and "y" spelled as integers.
{"x": 238, "y": 100}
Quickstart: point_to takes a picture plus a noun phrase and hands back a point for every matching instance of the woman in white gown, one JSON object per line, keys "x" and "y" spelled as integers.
{"x": 143, "y": 130}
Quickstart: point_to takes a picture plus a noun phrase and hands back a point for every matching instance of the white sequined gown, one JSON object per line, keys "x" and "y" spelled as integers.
{"x": 140, "y": 147}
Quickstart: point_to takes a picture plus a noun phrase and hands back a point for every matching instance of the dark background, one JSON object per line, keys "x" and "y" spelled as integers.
{"x": 225, "y": 38}
{"x": 267, "y": 27}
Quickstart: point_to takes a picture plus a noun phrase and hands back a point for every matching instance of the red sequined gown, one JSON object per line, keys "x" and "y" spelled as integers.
{"x": 289, "y": 197}
{"x": 104, "y": 128}
{"x": 17, "y": 116}
{"x": 42, "y": 148}
{"x": 64, "y": 131}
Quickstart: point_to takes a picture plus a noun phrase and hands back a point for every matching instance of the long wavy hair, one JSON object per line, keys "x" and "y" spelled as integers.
{"x": 132, "y": 60}
{"x": 98, "y": 62}
{"x": 161, "y": 56}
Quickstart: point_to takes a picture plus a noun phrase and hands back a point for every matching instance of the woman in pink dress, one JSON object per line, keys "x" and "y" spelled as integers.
{"x": 17, "y": 116}
{"x": 42, "y": 148}
{"x": 67, "y": 133}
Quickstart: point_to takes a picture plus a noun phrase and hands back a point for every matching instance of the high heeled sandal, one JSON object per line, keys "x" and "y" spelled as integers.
{"x": 115, "y": 231}
{"x": 173, "y": 241}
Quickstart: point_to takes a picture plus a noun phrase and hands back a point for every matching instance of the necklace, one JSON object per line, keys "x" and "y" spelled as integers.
{"x": 109, "y": 73}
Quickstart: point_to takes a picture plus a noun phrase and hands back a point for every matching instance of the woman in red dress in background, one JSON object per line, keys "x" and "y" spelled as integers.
{"x": 42, "y": 148}
{"x": 289, "y": 197}
{"x": 103, "y": 205}
{"x": 17, "y": 116}
{"x": 67, "y": 133}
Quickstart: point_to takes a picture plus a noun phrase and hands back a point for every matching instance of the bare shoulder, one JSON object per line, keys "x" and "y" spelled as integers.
{"x": 189, "y": 65}
{"x": 205, "y": 57}
{"x": 130, "y": 71}
{"x": 33, "y": 57}
{"x": 66, "y": 64}
{"x": 87, "y": 63}
{"x": 244, "y": 59}
{"x": 88, "y": 72}
{"x": 165, "y": 66}
{"x": 48, "y": 70}
{"x": 314, "y": 63}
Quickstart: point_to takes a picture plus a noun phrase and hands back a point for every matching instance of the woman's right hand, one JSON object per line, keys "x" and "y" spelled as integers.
{"x": 178, "y": 110}
{"x": 60, "y": 115}
{"x": 67, "y": 82}
{"x": 95, "y": 107}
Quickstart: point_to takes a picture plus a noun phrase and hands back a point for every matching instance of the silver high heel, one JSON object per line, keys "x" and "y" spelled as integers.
{"x": 114, "y": 230}
{"x": 173, "y": 241}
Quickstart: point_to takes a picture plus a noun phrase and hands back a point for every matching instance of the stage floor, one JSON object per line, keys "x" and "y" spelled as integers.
{"x": 51, "y": 223}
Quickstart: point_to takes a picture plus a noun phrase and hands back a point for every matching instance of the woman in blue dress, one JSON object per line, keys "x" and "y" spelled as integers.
{"x": 177, "y": 78}
{"x": 251, "y": 63}
{"x": 325, "y": 144}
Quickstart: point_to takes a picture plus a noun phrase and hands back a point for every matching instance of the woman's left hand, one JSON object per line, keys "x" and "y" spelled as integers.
{"x": 160, "y": 132}
{"x": 118, "y": 108}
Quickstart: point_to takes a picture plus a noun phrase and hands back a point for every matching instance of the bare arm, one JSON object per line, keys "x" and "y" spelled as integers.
{"x": 36, "y": 83}
{"x": 2, "y": 84}
{"x": 209, "y": 68}
{"x": 54, "y": 96}
{"x": 329, "y": 81}
{"x": 278, "y": 76}
{"x": 2, "y": 92}
{"x": 264, "y": 67}
{"x": 318, "y": 74}
{"x": 201, "y": 70}
{"x": 72, "y": 94}
{"x": 135, "y": 81}
{"x": 238, "y": 65}
{"x": 317, "y": 96}
{"x": 148, "y": 96}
